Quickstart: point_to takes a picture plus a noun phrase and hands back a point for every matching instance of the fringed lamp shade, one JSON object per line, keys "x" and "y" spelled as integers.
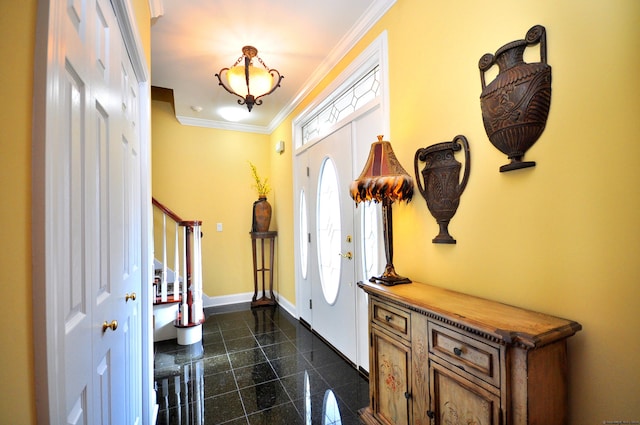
{"x": 384, "y": 180}
{"x": 382, "y": 177}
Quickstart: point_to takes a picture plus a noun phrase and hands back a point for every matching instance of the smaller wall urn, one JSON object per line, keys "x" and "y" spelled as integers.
{"x": 442, "y": 186}
{"x": 515, "y": 105}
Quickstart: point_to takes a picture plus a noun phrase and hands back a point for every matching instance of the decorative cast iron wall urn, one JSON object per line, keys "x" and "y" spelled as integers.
{"x": 442, "y": 187}
{"x": 515, "y": 105}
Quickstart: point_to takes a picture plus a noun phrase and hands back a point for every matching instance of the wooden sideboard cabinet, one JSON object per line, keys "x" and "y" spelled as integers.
{"x": 442, "y": 357}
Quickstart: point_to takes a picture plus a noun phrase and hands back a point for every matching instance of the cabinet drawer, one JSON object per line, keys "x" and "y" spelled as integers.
{"x": 391, "y": 318}
{"x": 473, "y": 356}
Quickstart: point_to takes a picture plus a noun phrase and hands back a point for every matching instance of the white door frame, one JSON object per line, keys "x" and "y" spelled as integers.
{"x": 45, "y": 338}
{"x": 375, "y": 54}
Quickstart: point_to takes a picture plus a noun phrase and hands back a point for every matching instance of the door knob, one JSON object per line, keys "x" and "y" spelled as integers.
{"x": 348, "y": 255}
{"x": 113, "y": 325}
{"x": 131, "y": 297}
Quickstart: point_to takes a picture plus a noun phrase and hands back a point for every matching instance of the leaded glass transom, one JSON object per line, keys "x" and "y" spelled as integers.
{"x": 356, "y": 96}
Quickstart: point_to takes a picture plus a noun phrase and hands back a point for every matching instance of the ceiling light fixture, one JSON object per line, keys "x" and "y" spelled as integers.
{"x": 247, "y": 81}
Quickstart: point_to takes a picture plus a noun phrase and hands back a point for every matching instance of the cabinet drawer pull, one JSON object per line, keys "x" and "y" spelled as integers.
{"x": 430, "y": 414}
{"x": 388, "y": 318}
{"x": 457, "y": 351}
{"x": 407, "y": 395}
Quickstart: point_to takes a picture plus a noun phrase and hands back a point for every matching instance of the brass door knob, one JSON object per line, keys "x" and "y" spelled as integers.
{"x": 348, "y": 255}
{"x": 113, "y": 325}
{"x": 131, "y": 296}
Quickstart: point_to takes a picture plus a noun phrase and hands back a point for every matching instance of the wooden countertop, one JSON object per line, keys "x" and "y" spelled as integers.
{"x": 500, "y": 322}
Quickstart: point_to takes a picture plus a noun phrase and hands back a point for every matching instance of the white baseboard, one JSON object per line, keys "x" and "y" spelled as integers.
{"x": 246, "y": 297}
{"x": 287, "y": 305}
{"x": 221, "y": 300}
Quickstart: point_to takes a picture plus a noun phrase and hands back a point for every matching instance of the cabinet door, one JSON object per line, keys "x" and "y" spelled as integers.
{"x": 456, "y": 400}
{"x": 420, "y": 370}
{"x": 390, "y": 373}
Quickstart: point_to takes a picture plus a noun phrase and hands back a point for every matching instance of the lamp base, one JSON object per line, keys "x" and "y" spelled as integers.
{"x": 390, "y": 281}
{"x": 390, "y": 277}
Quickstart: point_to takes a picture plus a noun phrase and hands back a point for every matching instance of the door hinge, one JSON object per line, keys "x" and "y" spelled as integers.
{"x": 310, "y": 304}
{"x": 309, "y": 237}
{"x": 308, "y": 172}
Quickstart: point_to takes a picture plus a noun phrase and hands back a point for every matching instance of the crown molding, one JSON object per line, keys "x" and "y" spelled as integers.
{"x": 156, "y": 7}
{"x": 222, "y": 125}
{"x": 373, "y": 14}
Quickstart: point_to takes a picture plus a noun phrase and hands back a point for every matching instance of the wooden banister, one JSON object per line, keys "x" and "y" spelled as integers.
{"x": 167, "y": 211}
{"x": 191, "y": 313}
{"x": 175, "y": 217}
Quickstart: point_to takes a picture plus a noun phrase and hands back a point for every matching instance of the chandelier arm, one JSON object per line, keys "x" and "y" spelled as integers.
{"x": 275, "y": 86}
{"x": 242, "y": 100}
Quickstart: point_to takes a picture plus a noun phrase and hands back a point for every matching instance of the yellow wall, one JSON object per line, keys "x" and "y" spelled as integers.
{"x": 17, "y": 42}
{"x": 203, "y": 174}
{"x": 17, "y": 23}
{"x": 562, "y": 237}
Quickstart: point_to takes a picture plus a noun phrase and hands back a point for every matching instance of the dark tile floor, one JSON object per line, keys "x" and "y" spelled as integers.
{"x": 257, "y": 366}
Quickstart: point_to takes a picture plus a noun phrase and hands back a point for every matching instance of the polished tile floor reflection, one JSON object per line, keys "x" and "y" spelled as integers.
{"x": 257, "y": 366}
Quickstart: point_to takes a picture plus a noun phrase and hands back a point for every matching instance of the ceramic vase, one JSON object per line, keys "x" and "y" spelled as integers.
{"x": 442, "y": 187}
{"x": 261, "y": 215}
{"x": 515, "y": 105}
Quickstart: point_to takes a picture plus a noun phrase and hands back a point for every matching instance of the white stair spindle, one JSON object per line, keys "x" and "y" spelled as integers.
{"x": 185, "y": 308}
{"x": 176, "y": 266}
{"x": 163, "y": 286}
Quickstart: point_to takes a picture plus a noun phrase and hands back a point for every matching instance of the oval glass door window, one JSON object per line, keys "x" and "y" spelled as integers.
{"x": 330, "y": 409}
{"x": 304, "y": 230}
{"x": 329, "y": 234}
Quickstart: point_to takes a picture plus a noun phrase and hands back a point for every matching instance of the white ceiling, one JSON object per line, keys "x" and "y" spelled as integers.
{"x": 191, "y": 40}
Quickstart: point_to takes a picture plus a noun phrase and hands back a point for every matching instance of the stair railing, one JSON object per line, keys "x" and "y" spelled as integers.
{"x": 187, "y": 250}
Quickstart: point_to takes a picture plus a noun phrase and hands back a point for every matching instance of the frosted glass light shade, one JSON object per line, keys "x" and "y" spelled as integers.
{"x": 260, "y": 80}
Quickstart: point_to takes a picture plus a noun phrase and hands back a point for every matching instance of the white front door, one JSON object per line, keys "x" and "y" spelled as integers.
{"x": 333, "y": 286}
{"x": 92, "y": 220}
{"x": 353, "y": 112}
